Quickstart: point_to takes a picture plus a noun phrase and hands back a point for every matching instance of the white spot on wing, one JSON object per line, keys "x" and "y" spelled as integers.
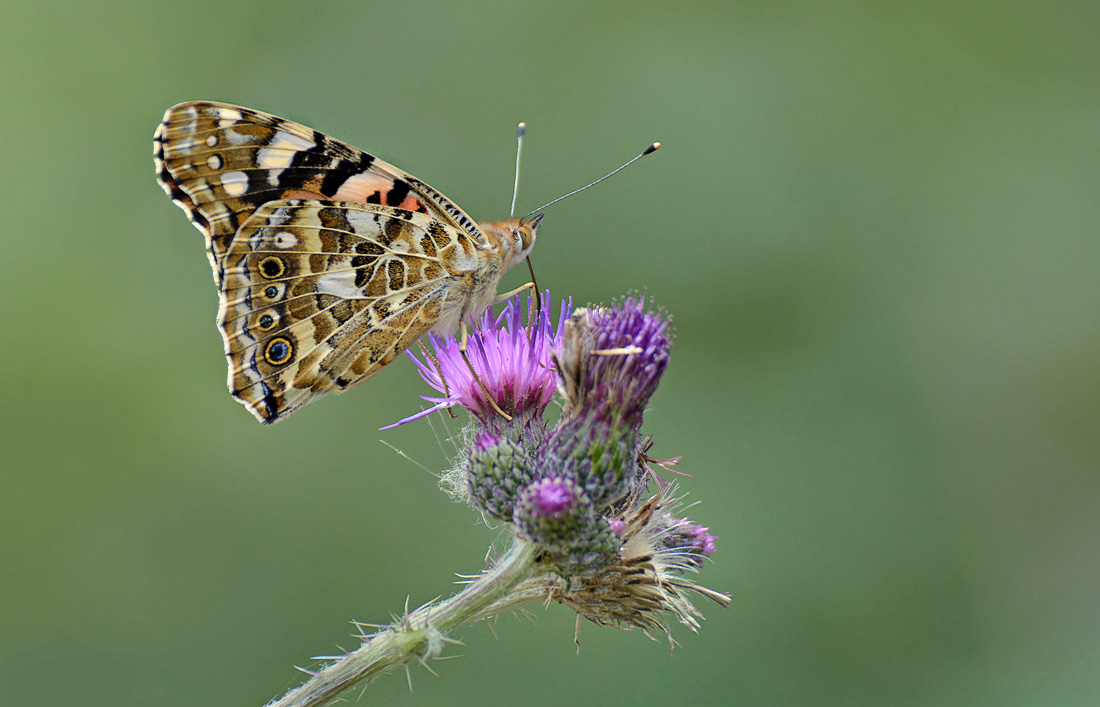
{"x": 280, "y": 152}
{"x": 364, "y": 223}
{"x": 341, "y": 282}
{"x": 191, "y": 114}
{"x": 212, "y": 141}
{"x": 235, "y": 183}
{"x": 285, "y": 239}
{"x": 236, "y": 138}
{"x": 279, "y": 216}
{"x": 214, "y": 162}
{"x": 272, "y": 158}
{"x": 228, "y": 116}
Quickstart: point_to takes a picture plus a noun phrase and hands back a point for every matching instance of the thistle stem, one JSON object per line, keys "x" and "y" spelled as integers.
{"x": 421, "y": 634}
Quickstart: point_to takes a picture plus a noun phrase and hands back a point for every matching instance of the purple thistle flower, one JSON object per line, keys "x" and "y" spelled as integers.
{"x": 704, "y": 541}
{"x": 610, "y": 362}
{"x": 612, "y": 359}
{"x": 553, "y": 512}
{"x": 552, "y": 496}
{"x": 512, "y": 362}
{"x": 693, "y": 542}
{"x": 647, "y": 576}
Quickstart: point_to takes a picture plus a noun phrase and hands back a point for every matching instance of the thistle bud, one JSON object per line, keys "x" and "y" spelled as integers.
{"x": 555, "y": 513}
{"x": 693, "y": 542}
{"x": 499, "y": 469}
{"x": 599, "y": 454}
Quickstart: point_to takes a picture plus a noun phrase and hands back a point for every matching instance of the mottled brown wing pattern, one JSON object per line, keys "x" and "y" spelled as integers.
{"x": 329, "y": 261}
{"x": 220, "y": 162}
{"x": 318, "y": 296}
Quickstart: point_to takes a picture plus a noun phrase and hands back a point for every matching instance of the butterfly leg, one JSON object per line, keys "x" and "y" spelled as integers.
{"x": 488, "y": 395}
{"x": 512, "y": 293}
{"x": 439, "y": 371}
{"x": 531, "y": 313}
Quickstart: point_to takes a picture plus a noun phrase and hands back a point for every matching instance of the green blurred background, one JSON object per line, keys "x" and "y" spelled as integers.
{"x": 875, "y": 224}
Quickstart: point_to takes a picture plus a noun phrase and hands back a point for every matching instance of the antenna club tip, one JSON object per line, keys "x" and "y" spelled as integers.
{"x": 652, "y": 148}
{"x": 521, "y": 128}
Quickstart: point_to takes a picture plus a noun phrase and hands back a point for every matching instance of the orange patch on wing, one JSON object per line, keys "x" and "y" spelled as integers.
{"x": 411, "y": 203}
{"x": 361, "y": 186}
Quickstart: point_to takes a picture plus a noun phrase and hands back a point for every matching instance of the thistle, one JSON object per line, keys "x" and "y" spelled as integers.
{"x": 573, "y": 495}
{"x": 506, "y": 369}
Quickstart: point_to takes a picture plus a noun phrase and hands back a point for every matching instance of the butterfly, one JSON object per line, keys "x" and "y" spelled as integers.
{"x": 329, "y": 262}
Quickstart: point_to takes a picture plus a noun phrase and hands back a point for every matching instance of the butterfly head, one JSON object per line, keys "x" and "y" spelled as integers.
{"x": 516, "y": 237}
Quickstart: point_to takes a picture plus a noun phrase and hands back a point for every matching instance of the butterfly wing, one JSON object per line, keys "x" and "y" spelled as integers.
{"x": 329, "y": 261}
{"x": 318, "y": 296}
{"x": 220, "y": 163}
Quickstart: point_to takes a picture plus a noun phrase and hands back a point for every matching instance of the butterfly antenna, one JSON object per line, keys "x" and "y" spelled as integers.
{"x": 649, "y": 150}
{"x": 520, "y": 129}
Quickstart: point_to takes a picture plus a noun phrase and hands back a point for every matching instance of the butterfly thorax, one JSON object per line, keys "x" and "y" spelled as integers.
{"x": 508, "y": 243}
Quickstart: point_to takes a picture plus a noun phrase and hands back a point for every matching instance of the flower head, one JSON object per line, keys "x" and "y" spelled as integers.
{"x": 610, "y": 362}
{"x": 693, "y": 543}
{"x": 509, "y": 367}
{"x": 702, "y": 541}
{"x": 555, "y": 513}
{"x": 612, "y": 359}
{"x": 552, "y": 497}
{"x": 571, "y": 497}
{"x": 646, "y": 578}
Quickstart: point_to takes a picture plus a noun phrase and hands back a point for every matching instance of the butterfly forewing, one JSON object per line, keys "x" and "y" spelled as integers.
{"x": 220, "y": 162}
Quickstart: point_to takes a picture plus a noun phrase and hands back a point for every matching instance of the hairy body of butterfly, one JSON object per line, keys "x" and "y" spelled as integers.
{"x": 329, "y": 262}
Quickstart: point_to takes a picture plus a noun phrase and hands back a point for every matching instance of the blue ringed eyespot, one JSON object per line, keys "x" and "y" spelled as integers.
{"x": 278, "y": 351}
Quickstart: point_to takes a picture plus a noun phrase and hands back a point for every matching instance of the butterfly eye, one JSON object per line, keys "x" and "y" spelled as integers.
{"x": 272, "y": 267}
{"x": 525, "y": 237}
{"x": 278, "y": 351}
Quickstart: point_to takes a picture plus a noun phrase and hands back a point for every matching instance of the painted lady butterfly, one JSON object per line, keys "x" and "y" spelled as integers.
{"x": 329, "y": 262}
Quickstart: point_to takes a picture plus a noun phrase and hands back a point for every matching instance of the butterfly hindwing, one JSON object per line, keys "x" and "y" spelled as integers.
{"x": 318, "y": 296}
{"x": 221, "y": 162}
